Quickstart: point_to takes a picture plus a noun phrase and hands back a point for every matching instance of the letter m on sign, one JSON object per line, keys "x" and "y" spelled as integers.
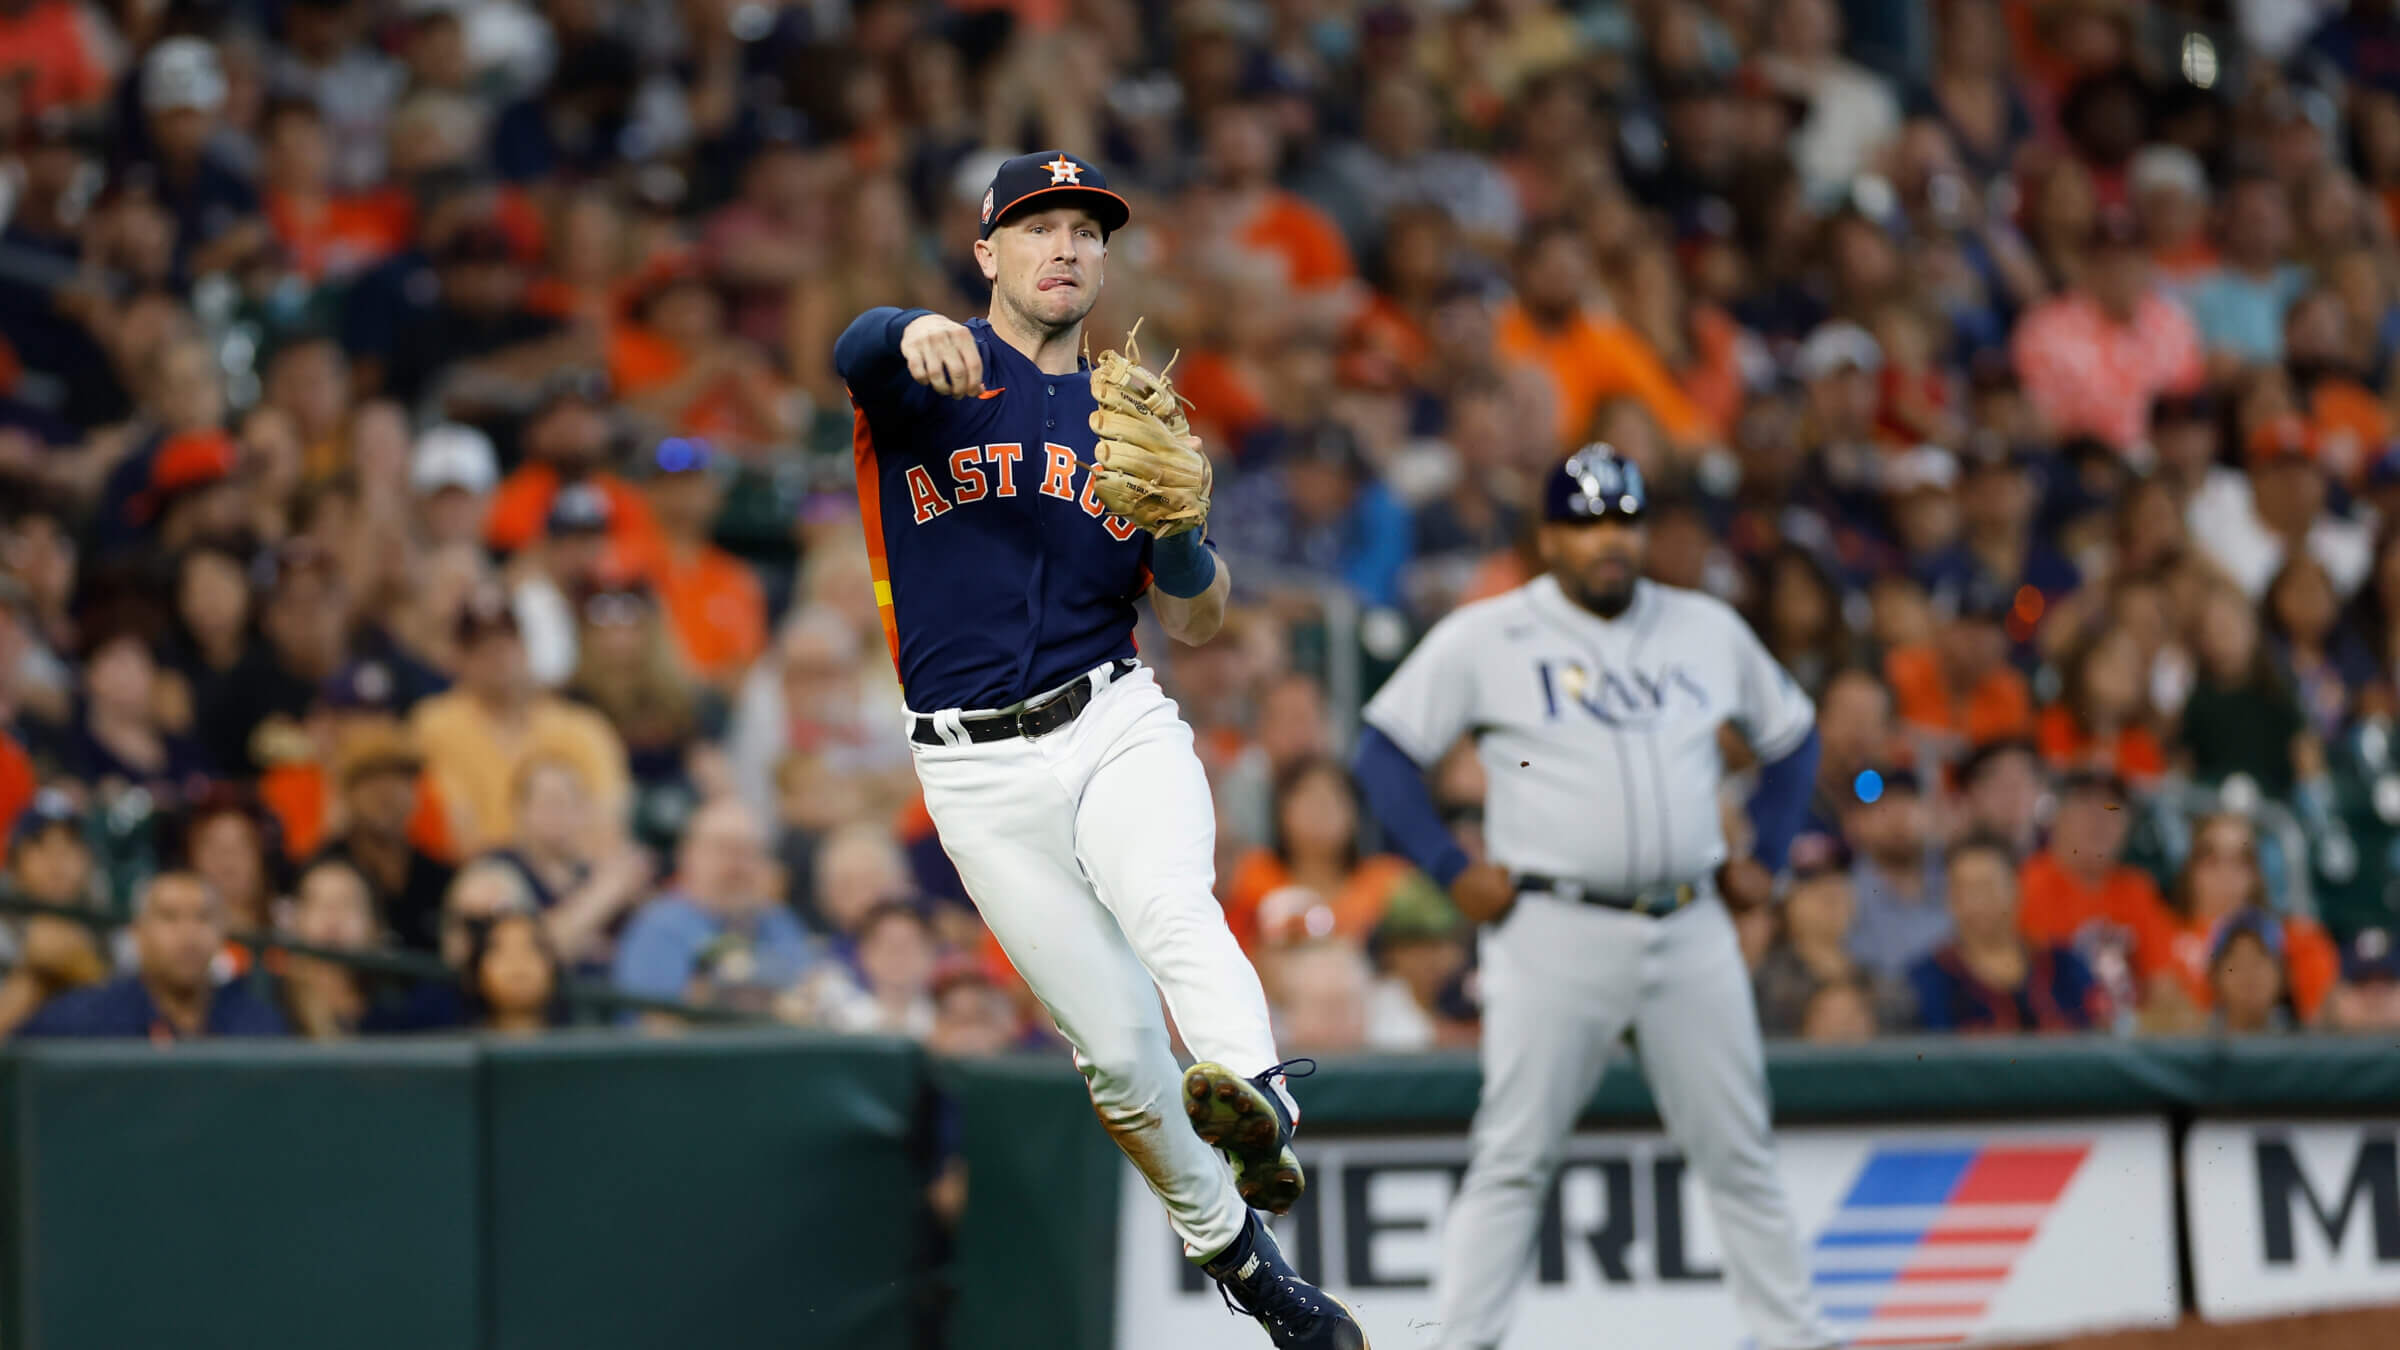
{"x": 2373, "y": 1184}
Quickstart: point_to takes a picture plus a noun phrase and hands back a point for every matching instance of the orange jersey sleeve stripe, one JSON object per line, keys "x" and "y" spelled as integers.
{"x": 870, "y": 514}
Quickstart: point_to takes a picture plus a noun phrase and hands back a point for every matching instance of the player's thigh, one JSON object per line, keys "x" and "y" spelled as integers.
{"x": 1146, "y": 825}
{"x": 1698, "y": 1027}
{"x": 1007, "y": 826}
{"x": 1549, "y": 1028}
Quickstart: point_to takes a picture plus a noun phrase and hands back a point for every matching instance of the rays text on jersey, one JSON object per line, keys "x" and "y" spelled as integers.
{"x": 1627, "y": 697}
{"x": 986, "y": 473}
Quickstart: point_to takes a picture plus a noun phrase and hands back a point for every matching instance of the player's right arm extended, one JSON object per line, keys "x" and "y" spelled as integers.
{"x": 867, "y": 357}
{"x": 1395, "y": 789}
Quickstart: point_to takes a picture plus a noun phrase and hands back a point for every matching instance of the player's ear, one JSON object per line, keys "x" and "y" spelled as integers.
{"x": 986, "y": 260}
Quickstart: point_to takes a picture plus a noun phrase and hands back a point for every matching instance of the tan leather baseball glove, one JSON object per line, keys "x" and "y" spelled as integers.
{"x": 1148, "y": 467}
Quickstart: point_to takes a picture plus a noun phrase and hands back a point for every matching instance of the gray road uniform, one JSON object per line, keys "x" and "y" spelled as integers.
{"x": 1599, "y": 740}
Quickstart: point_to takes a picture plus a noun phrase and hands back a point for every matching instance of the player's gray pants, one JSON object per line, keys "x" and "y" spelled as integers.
{"x": 1561, "y": 982}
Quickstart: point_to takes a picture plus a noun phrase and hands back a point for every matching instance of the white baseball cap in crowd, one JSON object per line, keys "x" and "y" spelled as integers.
{"x": 182, "y": 72}
{"x": 1927, "y": 466}
{"x": 1834, "y": 346}
{"x": 450, "y": 455}
{"x": 2169, "y": 168}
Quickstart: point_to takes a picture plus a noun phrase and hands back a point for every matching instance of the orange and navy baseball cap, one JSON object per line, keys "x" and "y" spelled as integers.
{"x": 1053, "y": 178}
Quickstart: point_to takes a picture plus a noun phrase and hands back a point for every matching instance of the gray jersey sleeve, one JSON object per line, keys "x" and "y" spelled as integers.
{"x": 1430, "y": 700}
{"x": 1775, "y": 712}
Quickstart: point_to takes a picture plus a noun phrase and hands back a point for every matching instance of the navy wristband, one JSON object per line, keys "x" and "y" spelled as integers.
{"x": 1182, "y": 566}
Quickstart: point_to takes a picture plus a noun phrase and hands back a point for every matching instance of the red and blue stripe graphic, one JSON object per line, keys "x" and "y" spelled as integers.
{"x": 1927, "y": 1236}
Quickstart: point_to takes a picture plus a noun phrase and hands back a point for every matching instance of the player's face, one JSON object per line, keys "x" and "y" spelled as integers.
{"x": 1046, "y": 266}
{"x": 1597, "y": 561}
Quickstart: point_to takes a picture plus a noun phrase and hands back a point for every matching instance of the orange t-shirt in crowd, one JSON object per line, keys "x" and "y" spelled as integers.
{"x": 1221, "y": 396}
{"x": 640, "y": 361}
{"x": 344, "y": 234}
{"x": 521, "y": 512}
{"x": 713, "y": 602}
{"x": 2348, "y": 425}
{"x": 301, "y": 798}
{"x": 1357, "y": 907}
{"x": 1313, "y": 251}
{"x": 1595, "y": 357}
{"x": 2055, "y": 905}
{"x": 2311, "y": 964}
{"x": 1713, "y": 381}
{"x": 2134, "y": 755}
{"x": 49, "y": 46}
{"x": 1997, "y": 708}
{"x": 1383, "y": 342}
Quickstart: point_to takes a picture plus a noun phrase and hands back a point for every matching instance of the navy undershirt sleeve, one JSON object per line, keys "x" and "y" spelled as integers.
{"x": 1780, "y": 802}
{"x": 867, "y": 356}
{"x": 1395, "y": 787}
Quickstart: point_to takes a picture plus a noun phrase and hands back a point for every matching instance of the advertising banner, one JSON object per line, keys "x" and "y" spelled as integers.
{"x": 2288, "y": 1216}
{"x": 1933, "y": 1236}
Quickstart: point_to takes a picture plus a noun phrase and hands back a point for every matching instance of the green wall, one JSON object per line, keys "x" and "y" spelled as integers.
{"x": 727, "y": 1190}
{"x": 731, "y": 1190}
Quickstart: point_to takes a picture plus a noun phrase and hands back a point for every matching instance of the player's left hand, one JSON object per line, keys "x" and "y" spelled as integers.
{"x": 1745, "y": 883}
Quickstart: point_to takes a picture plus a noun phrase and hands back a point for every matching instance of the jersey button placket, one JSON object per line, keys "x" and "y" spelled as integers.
{"x": 1053, "y": 422}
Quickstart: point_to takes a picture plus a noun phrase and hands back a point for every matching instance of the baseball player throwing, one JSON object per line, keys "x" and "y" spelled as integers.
{"x": 1595, "y": 697}
{"x": 1018, "y": 500}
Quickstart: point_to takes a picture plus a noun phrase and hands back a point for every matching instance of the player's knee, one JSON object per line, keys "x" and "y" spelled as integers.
{"x": 1504, "y": 1167}
{"x": 1120, "y": 1090}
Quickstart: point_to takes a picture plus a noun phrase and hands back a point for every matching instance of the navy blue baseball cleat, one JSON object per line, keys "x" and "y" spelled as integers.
{"x": 1257, "y": 1282}
{"x": 1245, "y": 1119}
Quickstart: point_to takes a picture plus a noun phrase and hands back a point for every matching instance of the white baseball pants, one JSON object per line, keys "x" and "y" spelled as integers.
{"x": 1561, "y": 982}
{"x": 1091, "y": 854}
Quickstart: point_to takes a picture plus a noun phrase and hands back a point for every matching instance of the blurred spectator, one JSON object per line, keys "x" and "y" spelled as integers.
{"x": 2102, "y": 718}
{"x": 2239, "y": 718}
{"x": 2368, "y": 998}
{"x": 452, "y": 471}
{"x": 2219, "y": 889}
{"x": 858, "y": 867}
{"x": 2075, "y": 891}
{"x": 225, "y": 840}
{"x": 712, "y": 599}
{"x": 1991, "y": 978}
{"x": 1898, "y": 879}
{"x": 1420, "y": 959}
{"x": 1320, "y": 989}
{"x": 2246, "y": 980}
{"x": 2324, "y": 666}
{"x": 476, "y": 737}
{"x": 1851, "y": 113}
{"x": 178, "y": 930}
{"x": 2095, "y": 358}
{"x": 1316, "y": 517}
{"x": 304, "y": 616}
{"x": 118, "y": 742}
{"x": 1313, "y": 880}
{"x": 2001, "y": 786}
{"x": 513, "y": 978}
{"x": 49, "y": 862}
{"x": 213, "y": 208}
{"x": 1810, "y": 950}
{"x": 2239, "y": 306}
{"x": 375, "y": 766}
{"x": 2248, "y": 529}
{"x": 1961, "y": 687}
{"x": 1799, "y": 616}
{"x": 330, "y": 908}
{"x": 628, "y": 671}
{"x": 571, "y": 560}
{"x": 566, "y": 440}
{"x": 891, "y": 991}
{"x": 719, "y": 936}
{"x": 584, "y": 876}
{"x": 1589, "y": 356}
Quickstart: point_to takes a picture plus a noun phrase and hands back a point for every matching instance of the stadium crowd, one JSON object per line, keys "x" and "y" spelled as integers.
{"x": 427, "y": 521}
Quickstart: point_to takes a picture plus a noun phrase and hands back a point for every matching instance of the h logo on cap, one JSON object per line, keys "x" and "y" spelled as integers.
{"x": 1064, "y": 170}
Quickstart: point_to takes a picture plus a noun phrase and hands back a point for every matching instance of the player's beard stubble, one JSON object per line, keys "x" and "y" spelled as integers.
{"x": 1597, "y": 565}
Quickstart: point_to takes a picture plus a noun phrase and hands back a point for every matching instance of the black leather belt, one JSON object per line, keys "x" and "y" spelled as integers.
{"x": 1657, "y": 902}
{"x": 1038, "y": 720}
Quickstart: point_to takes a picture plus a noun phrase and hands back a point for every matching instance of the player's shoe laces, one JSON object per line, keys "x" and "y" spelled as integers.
{"x": 1257, "y": 1282}
{"x": 1246, "y": 1120}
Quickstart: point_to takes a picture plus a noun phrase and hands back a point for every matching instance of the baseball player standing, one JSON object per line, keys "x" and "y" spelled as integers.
{"x": 1018, "y": 501}
{"x": 1595, "y": 697}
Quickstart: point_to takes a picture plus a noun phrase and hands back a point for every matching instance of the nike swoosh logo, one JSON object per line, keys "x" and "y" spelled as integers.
{"x": 993, "y": 393}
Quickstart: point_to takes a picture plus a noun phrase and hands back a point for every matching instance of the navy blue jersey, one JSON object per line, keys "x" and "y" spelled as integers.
{"x": 998, "y": 573}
